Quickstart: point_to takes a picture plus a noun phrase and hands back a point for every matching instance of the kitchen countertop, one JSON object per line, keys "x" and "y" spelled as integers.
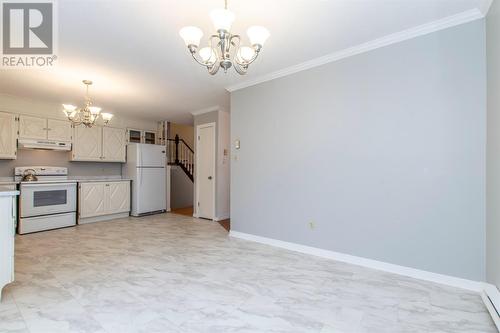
{"x": 6, "y": 192}
{"x": 7, "y": 181}
{"x": 4, "y": 181}
{"x": 97, "y": 179}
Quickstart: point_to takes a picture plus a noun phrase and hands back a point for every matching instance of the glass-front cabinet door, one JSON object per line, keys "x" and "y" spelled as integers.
{"x": 134, "y": 136}
{"x": 140, "y": 136}
{"x": 150, "y": 137}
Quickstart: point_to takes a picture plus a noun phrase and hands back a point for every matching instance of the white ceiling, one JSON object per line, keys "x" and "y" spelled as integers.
{"x": 140, "y": 66}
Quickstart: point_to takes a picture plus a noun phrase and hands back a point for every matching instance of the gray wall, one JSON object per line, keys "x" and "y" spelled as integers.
{"x": 182, "y": 189}
{"x": 57, "y": 158}
{"x": 384, "y": 152}
{"x": 493, "y": 146}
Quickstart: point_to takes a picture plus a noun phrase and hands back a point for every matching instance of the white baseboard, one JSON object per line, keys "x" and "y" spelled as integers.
{"x": 491, "y": 298}
{"x": 370, "y": 263}
{"x": 102, "y": 218}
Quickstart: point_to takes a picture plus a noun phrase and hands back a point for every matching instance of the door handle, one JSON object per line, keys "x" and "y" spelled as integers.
{"x": 210, "y": 177}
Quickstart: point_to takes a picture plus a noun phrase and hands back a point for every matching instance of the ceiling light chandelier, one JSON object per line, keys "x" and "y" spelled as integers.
{"x": 88, "y": 114}
{"x": 225, "y": 49}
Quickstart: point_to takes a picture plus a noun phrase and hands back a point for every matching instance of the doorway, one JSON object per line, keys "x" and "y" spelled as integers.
{"x": 205, "y": 171}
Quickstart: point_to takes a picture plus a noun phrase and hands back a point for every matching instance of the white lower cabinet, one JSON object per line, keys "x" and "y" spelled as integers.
{"x": 103, "y": 200}
{"x": 7, "y": 233}
{"x": 91, "y": 199}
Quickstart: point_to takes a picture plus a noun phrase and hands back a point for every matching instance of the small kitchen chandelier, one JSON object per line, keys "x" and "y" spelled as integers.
{"x": 225, "y": 49}
{"x": 88, "y": 114}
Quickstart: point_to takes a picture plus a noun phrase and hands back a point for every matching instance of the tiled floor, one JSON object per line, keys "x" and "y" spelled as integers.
{"x": 172, "y": 273}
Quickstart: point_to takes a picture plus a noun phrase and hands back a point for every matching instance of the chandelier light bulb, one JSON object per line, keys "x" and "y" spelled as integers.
{"x": 222, "y": 19}
{"x": 69, "y": 107}
{"x": 191, "y": 35}
{"x": 245, "y": 54}
{"x": 106, "y": 116}
{"x": 258, "y": 35}
{"x": 207, "y": 55}
{"x": 94, "y": 110}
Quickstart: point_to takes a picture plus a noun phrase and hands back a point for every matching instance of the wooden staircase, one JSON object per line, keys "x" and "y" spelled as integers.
{"x": 180, "y": 154}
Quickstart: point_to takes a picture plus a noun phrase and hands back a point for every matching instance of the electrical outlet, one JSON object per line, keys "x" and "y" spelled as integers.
{"x": 312, "y": 225}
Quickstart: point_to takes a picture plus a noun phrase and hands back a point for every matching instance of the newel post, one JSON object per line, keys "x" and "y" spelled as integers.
{"x": 177, "y": 149}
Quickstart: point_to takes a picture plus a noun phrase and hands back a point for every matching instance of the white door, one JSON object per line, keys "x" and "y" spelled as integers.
{"x": 205, "y": 166}
{"x": 7, "y": 136}
{"x": 113, "y": 144}
{"x": 58, "y": 130}
{"x": 87, "y": 143}
{"x": 117, "y": 197}
{"x": 32, "y": 127}
{"x": 91, "y": 199}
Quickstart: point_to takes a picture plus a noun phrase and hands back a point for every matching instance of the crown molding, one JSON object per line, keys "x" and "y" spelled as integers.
{"x": 206, "y": 110}
{"x": 485, "y": 7}
{"x": 444, "y": 23}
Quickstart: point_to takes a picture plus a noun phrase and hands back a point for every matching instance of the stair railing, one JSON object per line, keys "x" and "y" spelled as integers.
{"x": 182, "y": 155}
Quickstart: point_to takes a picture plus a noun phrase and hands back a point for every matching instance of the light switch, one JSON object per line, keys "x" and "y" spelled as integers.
{"x": 237, "y": 144}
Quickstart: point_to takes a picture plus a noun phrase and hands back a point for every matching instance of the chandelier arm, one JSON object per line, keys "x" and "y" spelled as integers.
{"x": 238, "y": 37}
{"x": 241, "y": 69}
{"x": 214, "y": 69}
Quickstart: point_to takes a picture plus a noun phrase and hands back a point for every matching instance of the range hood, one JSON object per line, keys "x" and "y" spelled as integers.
{"x": 43, "y": 144}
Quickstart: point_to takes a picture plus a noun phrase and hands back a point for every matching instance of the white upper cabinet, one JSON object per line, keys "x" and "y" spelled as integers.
{"x": 87, "y": 144}
{"x": 103, "y": 144}
{"x": 42, "y": 128}
{"x": 58, "y": 130}
{"x": 113, "y": 144}
{"x": 8, "y": 136}
{"x": 32, "y": 127}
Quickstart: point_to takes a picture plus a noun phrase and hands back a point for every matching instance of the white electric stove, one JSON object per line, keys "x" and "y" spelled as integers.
{"x": 48, "y": 202}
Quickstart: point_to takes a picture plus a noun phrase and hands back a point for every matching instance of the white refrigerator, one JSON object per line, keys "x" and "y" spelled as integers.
{"x": 146, "y": 167}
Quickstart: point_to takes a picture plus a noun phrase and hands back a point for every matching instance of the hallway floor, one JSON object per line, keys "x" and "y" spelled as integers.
{"x": 172, "y": 273}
